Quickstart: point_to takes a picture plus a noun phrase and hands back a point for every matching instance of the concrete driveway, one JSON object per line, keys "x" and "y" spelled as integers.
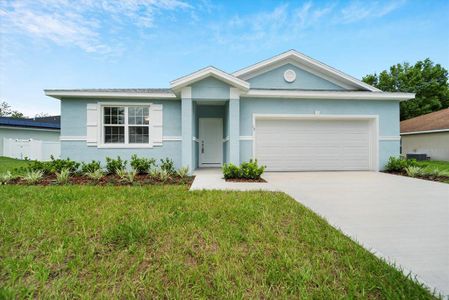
{"x": 401, "y": 219}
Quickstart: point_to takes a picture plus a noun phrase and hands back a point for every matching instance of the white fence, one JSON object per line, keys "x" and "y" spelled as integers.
{"x": 31, "y": 149}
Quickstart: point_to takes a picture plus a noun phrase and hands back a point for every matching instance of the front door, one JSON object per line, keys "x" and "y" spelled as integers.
{"x": 210, "y": 142}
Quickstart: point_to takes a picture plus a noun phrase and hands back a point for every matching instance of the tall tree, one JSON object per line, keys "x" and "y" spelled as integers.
{"x": 6, "y": 111}
{"x": 428, "y": 80}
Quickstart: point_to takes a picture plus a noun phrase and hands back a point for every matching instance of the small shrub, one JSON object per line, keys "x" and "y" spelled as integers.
{"x": 168, "y": 165}
{"x": 127, "y": 176}
{"x": 32, "y": 177}
{"x": 163, "y": 175}
{"x": 251, "y": 170}
{"x": 54, "y": 165}
{"x": 435, "y": 172}
{"x": 398, "y": 164}
{"x": 90, "y": 167}
{"x": 124, "y": 234}
{"x": 112, "y": 165}
{"x": 142, "y": 165}
{"x": 95, "y": 175}
{"x": 231, "y": 171}
{"x": 6, "y": 177}
{"x": 413, "y": 171}
{"x": 63, "y": 176}
{"x": 154, "y": 173}
{"x": 183, "y": 172}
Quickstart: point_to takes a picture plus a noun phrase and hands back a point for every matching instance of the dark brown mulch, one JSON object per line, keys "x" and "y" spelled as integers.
{"x": 429, "y": 178}
{"x": 107, "y": 180}
{"x": 245, "y": 180}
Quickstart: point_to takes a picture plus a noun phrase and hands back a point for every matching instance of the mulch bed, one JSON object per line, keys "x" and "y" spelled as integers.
{"x": 443, "y": 179}
{"x": 245, "y": 180}
{"x": 107, "y": 180}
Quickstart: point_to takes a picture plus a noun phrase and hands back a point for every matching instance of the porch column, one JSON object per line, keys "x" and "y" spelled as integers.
{"x": 234, "y": 126}
{"x": 186, "y": 123}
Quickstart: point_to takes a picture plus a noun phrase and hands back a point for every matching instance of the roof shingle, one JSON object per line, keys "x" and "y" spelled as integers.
{"x": 437, "y": 120}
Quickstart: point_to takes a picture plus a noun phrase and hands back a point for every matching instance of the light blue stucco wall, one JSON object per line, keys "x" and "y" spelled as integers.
{"x": 388, "y": 112}
{"x": 73, "y": 123}
{"x": 274, "y": 79}
{"x": 210, "y": 89}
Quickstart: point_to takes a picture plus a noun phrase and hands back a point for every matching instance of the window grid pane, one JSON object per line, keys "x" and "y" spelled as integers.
{"x": 114, "y": 115}
{"x": 114, "y": 134}
{"x": 138, "y": 135}
{"x": 138, "y": 115}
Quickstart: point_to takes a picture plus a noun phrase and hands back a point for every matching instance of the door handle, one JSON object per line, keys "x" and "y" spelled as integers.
{"x": 202, "y": 147}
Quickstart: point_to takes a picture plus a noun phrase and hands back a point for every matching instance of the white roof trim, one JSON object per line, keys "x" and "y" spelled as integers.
{"x": 184, "y": 81}
{"x": 247, "y": 73}
{"x": 425, "y": 131}
{"x": 109, "y": 95}
{"x": 344, "y": 95}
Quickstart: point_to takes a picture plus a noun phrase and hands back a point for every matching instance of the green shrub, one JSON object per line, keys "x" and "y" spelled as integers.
{"x": 251, "y": 170}
{"x": 33, "y": 176}
{"x": 6, "y": 177}
{"x": 183, "y": 172}
{"x": 142, "y": 165}
{"x": 247, "y": 170}
{"x": 231, "y": 171}
{"x": 112, "y": 165}
{"x": 90, "y": 167}
{"x": 398, "y": 164}
{"x": 126, "y": 176}
{"x": 95, "y": 175}
{"x": 168, "y": 165}
{"x": 163, "y": 175}
{"x": 413, "y": 171}
{"x": 63, "y": 176}
{"x": 435, "y": 172}
{"x": 54, "y": 165}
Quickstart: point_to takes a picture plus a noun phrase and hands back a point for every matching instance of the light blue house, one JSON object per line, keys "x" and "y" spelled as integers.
{"x": 291, "y": 112}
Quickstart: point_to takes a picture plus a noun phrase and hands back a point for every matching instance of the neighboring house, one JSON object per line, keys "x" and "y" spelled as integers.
{"x": 427, "y": 134}
{"x": 290, "y": 112}
{"x": 36, "y": 138}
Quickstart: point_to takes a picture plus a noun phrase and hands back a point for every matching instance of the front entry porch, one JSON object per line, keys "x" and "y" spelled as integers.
{"x": 210, "y": 131}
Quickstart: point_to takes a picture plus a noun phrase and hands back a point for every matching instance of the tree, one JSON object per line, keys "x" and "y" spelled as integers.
{"x": 428, "y": 80}
{"x": 41, "y": 115}
{"x": 6, "y": 111}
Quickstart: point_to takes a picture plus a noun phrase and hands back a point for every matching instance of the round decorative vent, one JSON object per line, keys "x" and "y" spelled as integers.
{"x": 289, "y": 75}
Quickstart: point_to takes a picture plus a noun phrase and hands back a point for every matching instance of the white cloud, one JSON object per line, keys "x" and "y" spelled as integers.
{"x": 80, "y": 23}
{"x": 358, "y": 11}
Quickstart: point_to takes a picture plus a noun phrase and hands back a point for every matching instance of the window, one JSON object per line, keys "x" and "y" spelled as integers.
{"x": 126, "y": 125}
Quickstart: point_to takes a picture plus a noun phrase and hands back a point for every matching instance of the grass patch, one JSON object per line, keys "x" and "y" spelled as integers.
{"x": 9, "y": 164}
{"x": 432, "y": 164}
{"x": 166, "y": 242}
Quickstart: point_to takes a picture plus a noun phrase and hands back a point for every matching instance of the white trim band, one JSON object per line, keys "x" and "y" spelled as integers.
{"x": 389, "y": 138}
{"x": 246, "y": 137}
{"x": 425, "y": 131}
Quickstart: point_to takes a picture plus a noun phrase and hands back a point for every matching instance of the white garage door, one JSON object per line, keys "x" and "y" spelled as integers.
{"x": 313, "y": 145}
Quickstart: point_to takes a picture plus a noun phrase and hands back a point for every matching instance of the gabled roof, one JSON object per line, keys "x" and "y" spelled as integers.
{"x": 210, "y": 71}
{"x": 301, "y": 59}
{"x": 433, "y": 122}
{"x": 31, "y": 123}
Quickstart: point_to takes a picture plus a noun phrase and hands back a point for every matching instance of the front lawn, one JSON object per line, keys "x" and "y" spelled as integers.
{"x": 166, "y": 242}
{"x": 10, "y": 164}
{"x": 442, "y": 165}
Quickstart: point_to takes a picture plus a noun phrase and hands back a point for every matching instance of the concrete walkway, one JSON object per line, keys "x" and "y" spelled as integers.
{"x": 401, "y": 219}
{"x": 212, "y": 179}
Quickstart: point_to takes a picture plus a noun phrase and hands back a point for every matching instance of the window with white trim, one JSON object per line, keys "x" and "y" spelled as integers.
{"x": 126, "y": 125}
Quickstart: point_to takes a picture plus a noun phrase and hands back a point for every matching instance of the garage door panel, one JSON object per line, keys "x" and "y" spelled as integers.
{"x": 297, "y": 145}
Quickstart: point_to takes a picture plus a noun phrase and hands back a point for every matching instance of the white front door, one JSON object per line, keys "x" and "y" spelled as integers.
{"x": 210, "y": 142}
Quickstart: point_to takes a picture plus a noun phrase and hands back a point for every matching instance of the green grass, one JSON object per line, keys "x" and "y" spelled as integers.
{"x": 166, "y": 242}
{"x": 10, "y": 164}
{"x": 432, "y": 164}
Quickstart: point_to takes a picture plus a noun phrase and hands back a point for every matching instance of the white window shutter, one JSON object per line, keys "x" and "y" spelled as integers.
{"x": 156, "y": 124}
{"x": 92, "y": 124}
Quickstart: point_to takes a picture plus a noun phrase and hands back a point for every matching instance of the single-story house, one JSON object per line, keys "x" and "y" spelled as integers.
{"x": 36, "y": 138}
{"x": 291, "y": 112}
{"x": 427, "y": 134}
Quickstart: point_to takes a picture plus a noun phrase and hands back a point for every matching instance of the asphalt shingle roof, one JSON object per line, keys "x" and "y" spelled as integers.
{"x": 434, "y": 121}
{"x": 45, "y": 122}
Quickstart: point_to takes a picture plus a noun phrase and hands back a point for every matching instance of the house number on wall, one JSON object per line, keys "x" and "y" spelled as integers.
{"x": 289, "y": 75}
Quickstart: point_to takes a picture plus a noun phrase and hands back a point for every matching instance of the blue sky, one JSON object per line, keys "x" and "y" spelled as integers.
{"x": 147, "y": 43}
